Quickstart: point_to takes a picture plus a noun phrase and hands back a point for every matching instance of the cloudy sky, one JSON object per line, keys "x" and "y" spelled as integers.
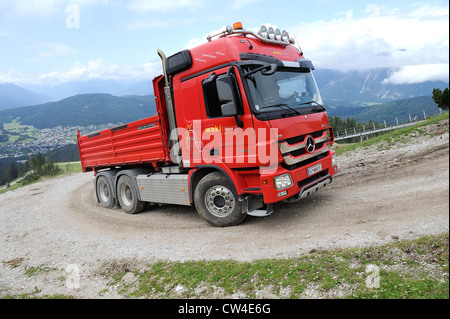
{"x": 53, "y": 41}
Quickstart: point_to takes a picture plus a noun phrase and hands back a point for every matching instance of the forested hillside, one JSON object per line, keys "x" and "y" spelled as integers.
{"x": 388, "y": 111}
{"x": 83, "y": 110}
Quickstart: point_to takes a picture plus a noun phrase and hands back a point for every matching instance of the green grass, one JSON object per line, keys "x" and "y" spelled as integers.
{"x": 401, "y": 135}
{"x": 65, "y": 168}
{"x": 15, "y": 131}
{"x": 34, "y": 271}
{"x": 407, "y": 270}
{"x": 70, "y": 167}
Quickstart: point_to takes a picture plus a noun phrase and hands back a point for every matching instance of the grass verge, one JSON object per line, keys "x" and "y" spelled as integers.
{"x": 393, "y": 136}
{"x": 63, "y": 169}
{"x": 408, "y": 269}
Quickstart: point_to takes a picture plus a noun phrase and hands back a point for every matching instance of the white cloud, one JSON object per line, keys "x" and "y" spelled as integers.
{"x": 99, "y": 69}
{"x": 48, "y": 50}
{"x": 197, "y": 41}
{"x": 382, "y": 38}
{"x": 163, "y": 6}
{"x": 420, "y": 73}
{"x": 14, "y": 76}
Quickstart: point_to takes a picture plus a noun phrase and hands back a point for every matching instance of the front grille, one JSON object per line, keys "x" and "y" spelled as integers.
{"x": 293, "y": 149}
{"x": 303, "y": 163}
{"x": 302, "y": 151}
{"x": 301, "y": 138}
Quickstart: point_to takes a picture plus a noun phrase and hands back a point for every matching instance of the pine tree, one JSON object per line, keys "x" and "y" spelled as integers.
{"x": 441, "y": 98}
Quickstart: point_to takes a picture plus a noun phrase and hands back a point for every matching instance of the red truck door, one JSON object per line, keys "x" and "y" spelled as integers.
{"x": 227, "y": 126}
{"x": 208, "y": 133}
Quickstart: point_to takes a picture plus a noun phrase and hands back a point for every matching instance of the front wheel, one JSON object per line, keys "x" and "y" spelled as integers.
{"x": 128, "y": 197}
{"x": 217, "y": 201}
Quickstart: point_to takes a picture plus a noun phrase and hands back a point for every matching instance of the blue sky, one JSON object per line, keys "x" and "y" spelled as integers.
{"x": 53, "y": 41}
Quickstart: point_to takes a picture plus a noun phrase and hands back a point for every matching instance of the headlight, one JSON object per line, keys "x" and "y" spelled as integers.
{"x": 282, "y": 181}
{"x": 333, "y": 160}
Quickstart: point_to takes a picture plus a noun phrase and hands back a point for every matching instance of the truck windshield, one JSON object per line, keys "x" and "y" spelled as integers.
{"x": 290, "y": 89}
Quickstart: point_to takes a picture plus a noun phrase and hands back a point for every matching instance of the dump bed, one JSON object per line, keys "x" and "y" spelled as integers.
{"x": 138, "y": 142}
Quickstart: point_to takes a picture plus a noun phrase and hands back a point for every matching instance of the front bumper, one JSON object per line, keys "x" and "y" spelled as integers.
{"x": 302, "y": 185}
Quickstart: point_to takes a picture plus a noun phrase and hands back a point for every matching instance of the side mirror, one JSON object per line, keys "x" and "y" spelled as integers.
{"x": 226, "y": 95}
{"x": 229, "y": 109}
{"x": 223, "y": 94}
{"x": 224, "y": 89}
{"x": 271, "y": 70}
{"x": 266, "y": 69}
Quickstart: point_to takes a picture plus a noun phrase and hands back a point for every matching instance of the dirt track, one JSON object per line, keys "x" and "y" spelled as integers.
{"x": 381, "y": 194}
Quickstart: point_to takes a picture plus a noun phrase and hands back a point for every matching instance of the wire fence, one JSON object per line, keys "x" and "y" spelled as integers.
{"x": 386, "y": 125}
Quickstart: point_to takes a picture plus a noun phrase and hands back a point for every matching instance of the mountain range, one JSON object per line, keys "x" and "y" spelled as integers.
{"x": 353, "y": 88}
{"x": 12, "y": 96}
{"x": 83, "y": 110}
{"x": 97, "y": 109}
{"x": 361, "y": 88}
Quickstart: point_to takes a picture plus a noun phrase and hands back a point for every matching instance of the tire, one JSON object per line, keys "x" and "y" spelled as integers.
{"x": 216, "y": 201}
{"x": 105, "y": 192}
{"x": 128, "y": 197}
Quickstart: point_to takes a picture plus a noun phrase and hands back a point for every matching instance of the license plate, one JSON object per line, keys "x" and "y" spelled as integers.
{"x": 314, "y": 169}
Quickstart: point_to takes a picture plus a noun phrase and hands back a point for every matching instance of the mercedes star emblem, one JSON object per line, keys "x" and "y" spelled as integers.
{"x": 310, "y": 146}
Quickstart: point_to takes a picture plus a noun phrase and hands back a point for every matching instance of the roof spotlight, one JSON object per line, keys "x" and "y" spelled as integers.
{"x": 271, "y": 33}
{"x": 284, "y": 36}
{"x": 263, "y": 31}
{"x": 278, "y": 35}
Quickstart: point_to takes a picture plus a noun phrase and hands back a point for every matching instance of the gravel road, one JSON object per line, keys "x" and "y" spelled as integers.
{"x": 381, "y": 194}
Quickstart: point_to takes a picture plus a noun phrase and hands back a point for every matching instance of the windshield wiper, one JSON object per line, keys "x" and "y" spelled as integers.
{"x": 280, "y": 104}
{"x": 322, "y": 108}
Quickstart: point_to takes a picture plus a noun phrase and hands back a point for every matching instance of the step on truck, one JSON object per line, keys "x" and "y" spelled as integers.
{"x": 240, "y": 126}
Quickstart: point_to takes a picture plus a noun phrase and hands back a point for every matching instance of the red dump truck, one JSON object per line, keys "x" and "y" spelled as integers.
{"x": 240, "y": 126}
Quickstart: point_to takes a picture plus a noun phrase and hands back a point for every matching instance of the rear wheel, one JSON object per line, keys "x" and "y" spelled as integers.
{"x": 128, "y": 197}
{"x": 104, "y": 192}
{"x": 217, "y": 201}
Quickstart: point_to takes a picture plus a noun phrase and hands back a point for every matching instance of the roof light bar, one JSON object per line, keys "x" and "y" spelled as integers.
{"x": 270, "y": 35}
{"x": 275, "y": 34}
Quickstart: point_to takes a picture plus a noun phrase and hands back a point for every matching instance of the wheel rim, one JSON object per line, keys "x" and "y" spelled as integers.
{"x": 104, "y": 192}
{"x": 220, "y": 201}
{"x": 126, "y": 195}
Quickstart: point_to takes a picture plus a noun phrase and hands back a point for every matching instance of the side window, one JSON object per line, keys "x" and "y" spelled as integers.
{"x": 220, "y": 96}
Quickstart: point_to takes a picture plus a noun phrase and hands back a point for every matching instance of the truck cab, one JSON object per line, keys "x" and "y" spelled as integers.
{"x": 243, "y": 127}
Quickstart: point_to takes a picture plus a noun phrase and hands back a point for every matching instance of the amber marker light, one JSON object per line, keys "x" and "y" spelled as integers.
{"x": 237, "y": 26}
